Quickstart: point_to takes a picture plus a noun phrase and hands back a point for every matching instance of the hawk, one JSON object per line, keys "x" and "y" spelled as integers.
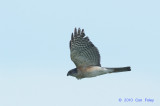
{"x": 86, "y": 57}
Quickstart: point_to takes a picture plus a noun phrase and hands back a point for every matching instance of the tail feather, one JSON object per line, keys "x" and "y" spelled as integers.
{"x": 120, "y": 69}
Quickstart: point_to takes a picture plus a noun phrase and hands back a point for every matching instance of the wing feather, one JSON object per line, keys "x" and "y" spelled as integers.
{"x": 83, "y": 51}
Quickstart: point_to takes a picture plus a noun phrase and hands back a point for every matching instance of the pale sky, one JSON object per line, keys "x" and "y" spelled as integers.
{"x": 35, "y": 55}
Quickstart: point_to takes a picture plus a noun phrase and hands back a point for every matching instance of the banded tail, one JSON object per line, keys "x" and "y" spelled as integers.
{"x": 120, "y": 69}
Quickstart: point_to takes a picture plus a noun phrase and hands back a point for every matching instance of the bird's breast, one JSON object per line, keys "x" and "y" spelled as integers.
{"x": 91, "y": 71}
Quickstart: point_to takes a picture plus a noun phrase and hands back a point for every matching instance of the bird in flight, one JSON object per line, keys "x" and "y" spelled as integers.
{"x": 86, "y": 57}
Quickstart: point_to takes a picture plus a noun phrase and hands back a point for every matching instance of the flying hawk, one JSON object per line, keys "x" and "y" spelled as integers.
{"x": 86, "y": 57}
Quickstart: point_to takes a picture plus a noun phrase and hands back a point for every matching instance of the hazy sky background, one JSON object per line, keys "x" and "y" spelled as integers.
{"x": 35, "y": 55}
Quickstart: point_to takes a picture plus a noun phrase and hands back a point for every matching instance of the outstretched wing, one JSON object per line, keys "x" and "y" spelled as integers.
{"x": 83, "y": 52}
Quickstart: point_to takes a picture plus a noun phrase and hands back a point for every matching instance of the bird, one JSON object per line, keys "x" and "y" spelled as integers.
{"x": 86, "y": 57}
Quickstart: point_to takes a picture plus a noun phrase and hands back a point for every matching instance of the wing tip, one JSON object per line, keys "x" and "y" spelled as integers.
{"x": 79, "y": 32}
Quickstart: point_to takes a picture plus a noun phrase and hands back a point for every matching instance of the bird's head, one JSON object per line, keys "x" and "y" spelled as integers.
{"x": 72, "y": 72}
